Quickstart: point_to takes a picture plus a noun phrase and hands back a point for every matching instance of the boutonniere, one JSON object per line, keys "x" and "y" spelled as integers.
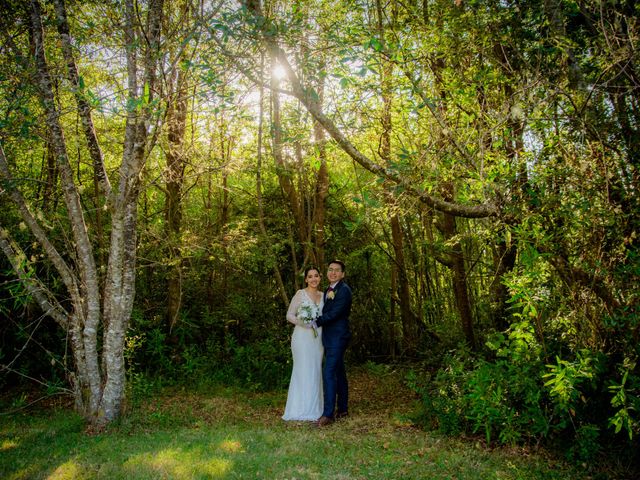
{"x": 331, "y": 295}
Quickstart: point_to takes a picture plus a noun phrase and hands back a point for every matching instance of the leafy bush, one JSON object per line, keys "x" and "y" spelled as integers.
{"x": 504, "y": 402}
{"x": 500, "y": 399}
{"x": 626, "y": 400}
{"x": 515, "y": 398}
{"x": 443, "y": 402}
{"x": 567, "y": 382}
{"x": 259, "y": 366}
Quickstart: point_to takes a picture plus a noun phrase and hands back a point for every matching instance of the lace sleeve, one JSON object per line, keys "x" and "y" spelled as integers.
{"x": 293, "y": 308}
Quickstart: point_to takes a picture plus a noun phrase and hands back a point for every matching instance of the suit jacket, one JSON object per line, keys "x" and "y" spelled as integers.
{"x": 335, "y": 317}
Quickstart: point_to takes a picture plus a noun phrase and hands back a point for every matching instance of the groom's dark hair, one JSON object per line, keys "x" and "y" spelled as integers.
{"x": 339, "y": 262}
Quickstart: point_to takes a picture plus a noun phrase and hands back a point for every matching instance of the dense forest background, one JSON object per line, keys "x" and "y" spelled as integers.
{"x": 168, "y": 168}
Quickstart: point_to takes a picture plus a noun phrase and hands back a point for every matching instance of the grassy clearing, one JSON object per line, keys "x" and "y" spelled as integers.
{"x": 223, "y": 433}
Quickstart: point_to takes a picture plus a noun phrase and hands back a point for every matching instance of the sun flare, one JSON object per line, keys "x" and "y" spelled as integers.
{"x": 279, "y": 72}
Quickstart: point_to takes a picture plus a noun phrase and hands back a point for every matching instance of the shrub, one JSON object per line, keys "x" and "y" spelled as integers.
{"x": 515, "y": 398}
{"x": 259, "y": 366}
{"x": 443, "y": 402}
{"x": 502, "y": 398}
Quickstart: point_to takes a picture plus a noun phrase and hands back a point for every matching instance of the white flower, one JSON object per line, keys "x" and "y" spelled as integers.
{"x": 308, "y": 312}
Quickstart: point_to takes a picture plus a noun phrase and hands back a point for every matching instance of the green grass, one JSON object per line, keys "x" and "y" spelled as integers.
{"x": 224, "y": 433}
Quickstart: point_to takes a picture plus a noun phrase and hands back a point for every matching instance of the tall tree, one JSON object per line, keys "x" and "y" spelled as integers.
{"x": 174, "y": 173}
{"x": 178, "y": 85}
{"x": 98, "y": 376}
{"x": 261, "y": 221}
{"x": 400, "y": 288}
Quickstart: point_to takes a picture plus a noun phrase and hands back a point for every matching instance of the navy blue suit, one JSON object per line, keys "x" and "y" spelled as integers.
{"x": 335, "y": 338}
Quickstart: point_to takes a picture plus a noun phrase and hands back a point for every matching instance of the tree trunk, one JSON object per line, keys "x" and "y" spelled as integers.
{"x": 174, "y": 174}
{"x": 505, "y": 252}
{"x": 225, "y": 157}
{"x": 402, "y": 293}
{"x": 455, "y": 258}
{"x": 281, "y": 288}
{"x": 316, "y": 205}
{"x": 458, "y": 270}
{"x": 102, "y": 185}
{"x": 282, "y": 169}
{"x": 84, "y": 109}
{"x": 321, "y": 194}
{"x": 49, "y": 195}
{"x": 86, "y": 309}
{"x": 99, "y": 386}
{"x": 504, "y": 259}
{"x": 120, "y": 279}
{"x": 306, "y": 95}
{"x": 308, "y": 216}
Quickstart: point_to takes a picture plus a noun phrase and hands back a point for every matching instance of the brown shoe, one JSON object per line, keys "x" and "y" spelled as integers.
{"x": 340, "y": 415}
{"x": 324, "y": 421}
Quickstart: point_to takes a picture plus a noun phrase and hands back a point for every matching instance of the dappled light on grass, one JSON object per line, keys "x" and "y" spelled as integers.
{"x": 67, "y": 471}
{"x": 8, "y": 445}
{"x": 231, "y": 446}
{"x": 234, "y": 434}
{"x": 177, "y": 464}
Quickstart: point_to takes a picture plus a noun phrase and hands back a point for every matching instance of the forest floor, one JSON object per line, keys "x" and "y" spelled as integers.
{"x": 227, "y": 433}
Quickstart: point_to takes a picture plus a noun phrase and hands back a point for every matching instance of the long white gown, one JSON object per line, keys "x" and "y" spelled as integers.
{"x": 304, "y": 400}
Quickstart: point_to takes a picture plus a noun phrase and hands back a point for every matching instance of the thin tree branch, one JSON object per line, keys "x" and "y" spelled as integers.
{"x": 307, "y": 96}
{"x": 84, "y": 109}
{"x": 42, "y": 295}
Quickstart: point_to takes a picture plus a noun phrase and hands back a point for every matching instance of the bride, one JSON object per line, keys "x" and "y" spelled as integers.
{"x": 304, "y": 400}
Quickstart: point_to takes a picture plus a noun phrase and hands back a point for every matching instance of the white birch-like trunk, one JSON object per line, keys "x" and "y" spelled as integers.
{"x": 86, "y": 308}
{"x": 120, "y": 281}
{"x": 98, "y": 375}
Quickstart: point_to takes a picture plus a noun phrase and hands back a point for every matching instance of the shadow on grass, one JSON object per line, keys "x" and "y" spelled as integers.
{"x": 234, "y": 434}
{"x": 56, "y": 446}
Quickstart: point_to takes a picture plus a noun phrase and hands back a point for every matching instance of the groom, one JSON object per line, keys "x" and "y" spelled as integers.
{"x": 335, "y": 338}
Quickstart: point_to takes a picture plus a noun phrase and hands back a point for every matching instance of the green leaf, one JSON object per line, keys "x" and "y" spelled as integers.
{"x": 146, "y": 94}
{"x": 375, "y": 44}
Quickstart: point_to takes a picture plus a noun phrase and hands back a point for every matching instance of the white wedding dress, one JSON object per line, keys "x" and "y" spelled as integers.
{"x": 304, "y": 400}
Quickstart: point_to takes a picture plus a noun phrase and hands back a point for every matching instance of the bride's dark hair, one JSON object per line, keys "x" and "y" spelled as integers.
{"x": 308, "y": 269}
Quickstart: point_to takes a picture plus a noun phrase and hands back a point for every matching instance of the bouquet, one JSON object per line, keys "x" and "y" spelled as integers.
{"x": 308, "y": 313}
